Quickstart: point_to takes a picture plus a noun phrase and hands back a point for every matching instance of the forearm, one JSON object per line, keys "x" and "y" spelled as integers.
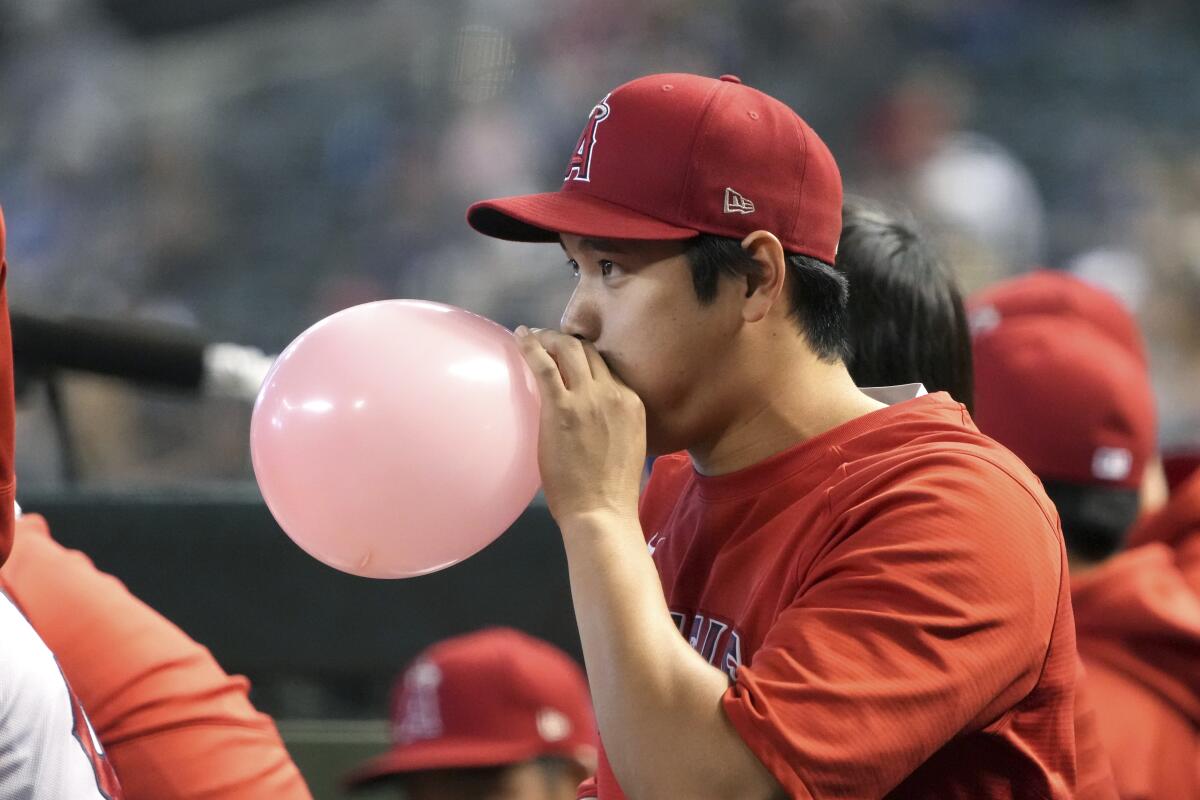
{"x": 658, "y": 703}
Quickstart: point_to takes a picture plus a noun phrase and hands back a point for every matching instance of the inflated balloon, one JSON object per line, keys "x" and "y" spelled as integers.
{"x": 397, "y": 438}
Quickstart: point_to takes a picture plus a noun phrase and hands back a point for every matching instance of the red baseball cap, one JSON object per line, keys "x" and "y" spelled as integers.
{"x": 673, "y": 156}
{"x": 1058, "y": 294}
{"x": 1064, "y": 394}
{"x": 486, "y": 699}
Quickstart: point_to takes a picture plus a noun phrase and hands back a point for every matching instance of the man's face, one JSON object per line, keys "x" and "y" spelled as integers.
{"x": 525, "y": 781}
{"x": 635, "y": 302}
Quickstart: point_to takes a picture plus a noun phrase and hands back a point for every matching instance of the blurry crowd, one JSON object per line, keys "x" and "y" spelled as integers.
{"x": 248, "y": 176}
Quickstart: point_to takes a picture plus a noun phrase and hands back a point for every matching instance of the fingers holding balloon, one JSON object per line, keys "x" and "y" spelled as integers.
{"x": 545, "y": 369}
{"x": 566, "y": 353}
{"x": 592, "y": 439}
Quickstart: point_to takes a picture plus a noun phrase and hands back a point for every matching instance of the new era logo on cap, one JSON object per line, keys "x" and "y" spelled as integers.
{"x": 736, "y": 203}
{"x": 553, "y": 725}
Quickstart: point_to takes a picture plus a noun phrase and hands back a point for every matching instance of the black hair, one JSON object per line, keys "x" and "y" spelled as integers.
{"x": 1095, "y": 519}
{"x": 817, "y": 292}
{"x": 907, "y": 322}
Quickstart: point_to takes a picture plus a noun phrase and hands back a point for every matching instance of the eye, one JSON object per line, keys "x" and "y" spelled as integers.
{"x": 606, "y": 267}
{"x": 573, "y": 265}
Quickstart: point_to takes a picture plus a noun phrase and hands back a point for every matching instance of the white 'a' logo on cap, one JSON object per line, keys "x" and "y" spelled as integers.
{"x": 736, "y": 203}
{"x": 420, "y": 716}
{"x": 580, "y": 166}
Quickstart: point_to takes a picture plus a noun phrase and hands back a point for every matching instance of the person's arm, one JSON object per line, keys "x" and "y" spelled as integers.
{"x": 173, "y": 722}
{"x": 657, "y": 701}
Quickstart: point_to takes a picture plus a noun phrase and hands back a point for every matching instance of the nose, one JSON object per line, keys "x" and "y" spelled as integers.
{"x": 581, "y": 318}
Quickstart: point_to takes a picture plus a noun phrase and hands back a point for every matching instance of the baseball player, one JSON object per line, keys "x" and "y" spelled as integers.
{"x": 492, "y": 715}
{"x": 1061, "y": 378}
{"x": 48, "y": 749}
{"x": 820, "y": 595}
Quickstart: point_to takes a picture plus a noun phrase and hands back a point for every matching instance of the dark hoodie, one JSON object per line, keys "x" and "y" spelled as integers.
{"x": 7, "y": 480}
{"x": 1138, "y": 623}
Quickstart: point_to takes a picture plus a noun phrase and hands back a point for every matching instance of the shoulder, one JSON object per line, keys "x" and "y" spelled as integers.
{"x": 952, "y": 508}
{"x": 933, "y": 447}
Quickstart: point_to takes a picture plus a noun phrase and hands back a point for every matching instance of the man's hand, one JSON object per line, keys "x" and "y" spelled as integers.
{"x": 592, "y": 443}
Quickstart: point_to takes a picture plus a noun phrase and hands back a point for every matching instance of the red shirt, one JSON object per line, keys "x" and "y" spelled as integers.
{"x": 1139, "y": 636}
{"x": 890, "y": 600}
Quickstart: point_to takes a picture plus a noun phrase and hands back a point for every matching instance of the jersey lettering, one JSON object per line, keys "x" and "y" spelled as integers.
{"x": 717, "y": 641}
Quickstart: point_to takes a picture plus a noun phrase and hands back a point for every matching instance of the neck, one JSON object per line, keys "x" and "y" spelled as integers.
{"x": 792, "y": 406}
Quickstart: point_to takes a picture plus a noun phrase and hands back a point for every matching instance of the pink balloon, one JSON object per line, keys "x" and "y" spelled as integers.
{"x": 397, "y": 438}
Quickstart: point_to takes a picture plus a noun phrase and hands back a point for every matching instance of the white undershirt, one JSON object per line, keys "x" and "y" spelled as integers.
{"x": 40, "y": 758}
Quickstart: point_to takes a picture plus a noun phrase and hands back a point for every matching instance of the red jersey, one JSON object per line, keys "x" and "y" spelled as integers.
{"x": 174, "y": 724}
{"x": 890, "y": 601}
{"x": 1139, "y": 636}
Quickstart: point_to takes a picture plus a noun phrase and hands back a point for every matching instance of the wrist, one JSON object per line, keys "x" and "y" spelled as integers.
{"x": 598, "y": 521}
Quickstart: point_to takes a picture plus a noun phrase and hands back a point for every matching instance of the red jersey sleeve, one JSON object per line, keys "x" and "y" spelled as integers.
{"x": 929, "y": 613}
{"x": 174, "y": 724}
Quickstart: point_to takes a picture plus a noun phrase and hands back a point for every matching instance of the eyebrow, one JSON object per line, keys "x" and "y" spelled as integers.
{"x": 596, "y": 245}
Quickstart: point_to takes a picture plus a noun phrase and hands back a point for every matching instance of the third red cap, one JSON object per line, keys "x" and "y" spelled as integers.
{"x": 1063, "y": 390}
{"x": 675, "y": 155}
{"x": 1059, "y": 294}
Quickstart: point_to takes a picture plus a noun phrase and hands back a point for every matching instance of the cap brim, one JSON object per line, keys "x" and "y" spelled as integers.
{"x": 440, "y": 754}
{"x": 542, "y": 217}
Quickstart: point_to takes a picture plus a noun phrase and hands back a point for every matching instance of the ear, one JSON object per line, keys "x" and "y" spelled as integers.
{"x": 763, "y": 292}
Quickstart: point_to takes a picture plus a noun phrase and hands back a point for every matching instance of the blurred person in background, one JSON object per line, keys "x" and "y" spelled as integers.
{"x": 164, "y": 715}
{"x": 1061, "y": 379}
{"x": 491, "y": 715}
{"x": 976, "y": 196}
{"x": 905, "y": 315}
